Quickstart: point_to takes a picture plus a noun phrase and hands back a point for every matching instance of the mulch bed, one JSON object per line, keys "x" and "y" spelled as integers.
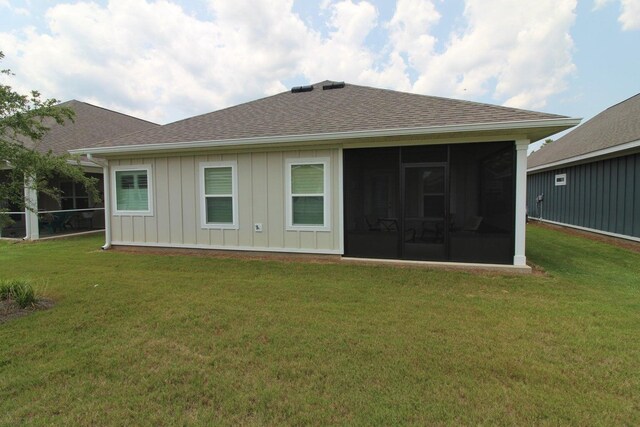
{"x": 10, "y": 310}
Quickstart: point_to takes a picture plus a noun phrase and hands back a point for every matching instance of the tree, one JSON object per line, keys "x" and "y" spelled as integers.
{"x": 24, "y": 121}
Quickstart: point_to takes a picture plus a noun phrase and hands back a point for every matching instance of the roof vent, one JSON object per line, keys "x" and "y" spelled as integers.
{"x": 298, "y": 89}
{"x": 333, "y": 85}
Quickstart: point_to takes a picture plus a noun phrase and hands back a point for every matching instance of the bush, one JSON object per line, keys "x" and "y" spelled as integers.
{"x": 19, "y": 291}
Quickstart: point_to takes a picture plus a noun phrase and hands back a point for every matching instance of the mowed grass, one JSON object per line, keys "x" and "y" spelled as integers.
{"x": 154, "y": 339}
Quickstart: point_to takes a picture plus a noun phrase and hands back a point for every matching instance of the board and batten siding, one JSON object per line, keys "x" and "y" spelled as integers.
{"x": 602, "y": 195}
{"x": 176, "y": 219}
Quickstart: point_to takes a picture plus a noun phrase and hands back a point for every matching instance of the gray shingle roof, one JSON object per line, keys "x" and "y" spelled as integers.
{"x": 352, "y": 108}
{"x": 614, "y": 126}
{"x": 90, "y": 125}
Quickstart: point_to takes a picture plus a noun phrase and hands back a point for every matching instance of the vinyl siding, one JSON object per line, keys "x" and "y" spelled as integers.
{"x": 176, "y": 197}
{"x": 602, "y": 195}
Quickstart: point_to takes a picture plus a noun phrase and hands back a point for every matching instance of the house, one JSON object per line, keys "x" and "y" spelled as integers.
{"x": 590, "y": 178}
{"x": 330, "y": 168}
{"x": 75, "y": 211}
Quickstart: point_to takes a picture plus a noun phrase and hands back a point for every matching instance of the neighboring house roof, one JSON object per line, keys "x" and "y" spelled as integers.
{"x": 607, "y": 132}
{"x": 91, "y": 124}
{"x": 319, "y": 113}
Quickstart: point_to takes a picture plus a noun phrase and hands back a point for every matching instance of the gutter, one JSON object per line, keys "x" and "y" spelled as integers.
{"x": 267, "y": 140}
{"x": 107, "y": 201}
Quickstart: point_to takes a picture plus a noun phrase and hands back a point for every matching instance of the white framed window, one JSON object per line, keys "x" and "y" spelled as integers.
{"x": 219, "y": 194}
{"x": 74, "y": 196}
{"x": 132, "y": 190}
{"x": 307, "y": 189}
{"x": 561, "y": 179}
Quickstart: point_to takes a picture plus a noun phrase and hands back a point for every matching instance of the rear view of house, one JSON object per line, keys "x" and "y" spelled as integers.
{"x": 330, "y": 168}
{"x": 590, "y": 178}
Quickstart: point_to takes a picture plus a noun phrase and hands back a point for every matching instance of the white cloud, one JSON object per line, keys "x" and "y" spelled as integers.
{"x": 342, "y": 54}
{"x": 517, "y": 52}
{"x": 153, "y": 57}
{"x": 409, "y": 31}
{"x": 629, "y": 17}
{"x": 598, "y": 4}
{"x": 6, "y": 4}
{"x": 155, "y": 60}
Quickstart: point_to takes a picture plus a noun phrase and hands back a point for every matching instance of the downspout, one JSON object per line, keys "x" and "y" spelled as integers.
{"x": 32, "y": 230}
{"x": 107, "y": 198}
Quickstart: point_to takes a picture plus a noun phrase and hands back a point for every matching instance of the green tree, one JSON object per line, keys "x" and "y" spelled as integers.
{"x": 24, "y": 121}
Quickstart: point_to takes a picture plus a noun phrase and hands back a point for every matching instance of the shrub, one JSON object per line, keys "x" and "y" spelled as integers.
{"x": 19, "y": 291}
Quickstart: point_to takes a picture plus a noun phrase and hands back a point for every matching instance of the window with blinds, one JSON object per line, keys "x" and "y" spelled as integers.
{"x": 219, "y": 194}
{"x": 308, "y": 199}
{"x": 132, "y": 190}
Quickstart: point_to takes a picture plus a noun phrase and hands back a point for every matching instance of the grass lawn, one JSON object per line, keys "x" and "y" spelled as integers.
{"x": 150, "y": 339}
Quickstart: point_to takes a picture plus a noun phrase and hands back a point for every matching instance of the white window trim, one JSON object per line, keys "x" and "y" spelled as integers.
{"x": 326, "y": 194}
{"x": 116, "y": 211}
{"x": 234, "y": 195}
{"x": 561, "y": 179}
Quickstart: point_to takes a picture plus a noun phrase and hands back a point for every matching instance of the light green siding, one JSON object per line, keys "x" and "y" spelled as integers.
{"x": 176, "y": 219}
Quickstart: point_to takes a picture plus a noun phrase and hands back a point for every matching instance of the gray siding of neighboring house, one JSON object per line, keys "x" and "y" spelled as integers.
{"x": 602, "y": 195}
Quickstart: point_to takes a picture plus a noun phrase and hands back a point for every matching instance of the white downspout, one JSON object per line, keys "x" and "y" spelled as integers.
{"x": 32, "y": 230}
{"x": 107, "y": 199}
{"x": 519, "y": 257}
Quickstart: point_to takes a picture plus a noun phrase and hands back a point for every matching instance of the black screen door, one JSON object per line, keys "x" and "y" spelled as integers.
{"x": 424, "y": 211}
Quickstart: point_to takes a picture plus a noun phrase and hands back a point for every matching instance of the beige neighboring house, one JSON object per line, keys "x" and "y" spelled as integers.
{"x": 75, "y": 211}
{"x": 330, "y": 168}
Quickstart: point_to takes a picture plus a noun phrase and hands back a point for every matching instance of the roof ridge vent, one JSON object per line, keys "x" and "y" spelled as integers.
{"x": 298, "y": 89}
{"x": 333, "y": 85}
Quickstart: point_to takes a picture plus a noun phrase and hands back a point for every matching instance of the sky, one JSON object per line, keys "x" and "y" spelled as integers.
{"x": 165, "y": 60}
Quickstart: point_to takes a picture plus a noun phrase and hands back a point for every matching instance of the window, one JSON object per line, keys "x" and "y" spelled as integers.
{"x": 219, "y": 190}
{"x": 561, "y": 179}
{"x": 131, "y": 190}
{"x": 74, "y": 196}
{"x": 307, "y": 194}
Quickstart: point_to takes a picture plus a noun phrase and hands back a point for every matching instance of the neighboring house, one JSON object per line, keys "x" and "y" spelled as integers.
{"x": 75, "y": 211}
{"x": 331, "y": 169}
{"x": 590, "y": 178}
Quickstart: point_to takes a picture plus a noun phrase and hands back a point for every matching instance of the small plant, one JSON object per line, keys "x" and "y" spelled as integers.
{"x": 20, "y": 291}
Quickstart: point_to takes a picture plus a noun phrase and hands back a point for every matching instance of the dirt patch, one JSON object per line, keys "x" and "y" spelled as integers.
{"x": 309, "y": 258}
{"x": 10, "y": 310}
{"x": 216, "y": 253}
{"x": 622, "y": 243}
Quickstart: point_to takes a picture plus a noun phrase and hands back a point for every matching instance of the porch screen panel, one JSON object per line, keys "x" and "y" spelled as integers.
{"x": 218, "y": 183}
{"x": 372, "y": 222}
{"x": 132, "y": 193}
{"x": 307, "y": 191}
{"x": 482, "y": 201}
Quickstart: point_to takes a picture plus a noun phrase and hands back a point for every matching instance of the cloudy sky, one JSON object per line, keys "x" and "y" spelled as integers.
{"x": 164, "y": 60}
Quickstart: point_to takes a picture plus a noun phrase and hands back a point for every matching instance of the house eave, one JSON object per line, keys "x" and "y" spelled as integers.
{"x": 615, "y": 151}
{"x": 532, "y": 129}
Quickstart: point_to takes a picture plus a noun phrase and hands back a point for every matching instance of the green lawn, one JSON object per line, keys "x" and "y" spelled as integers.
{"x": 149, "y": 339}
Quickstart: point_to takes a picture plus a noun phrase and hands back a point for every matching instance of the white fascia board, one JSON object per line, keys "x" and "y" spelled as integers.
{"x": 583, "y": 158}
{"x": 475, "y": 127}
